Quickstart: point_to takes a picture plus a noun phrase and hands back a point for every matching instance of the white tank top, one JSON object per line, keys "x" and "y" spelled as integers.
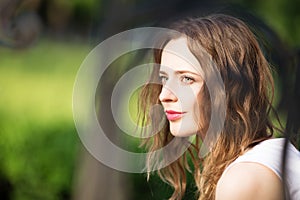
{"x": 269, "y": 154}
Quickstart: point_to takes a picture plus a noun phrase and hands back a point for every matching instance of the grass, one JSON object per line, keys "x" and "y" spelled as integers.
{"x": 38, "y": 140}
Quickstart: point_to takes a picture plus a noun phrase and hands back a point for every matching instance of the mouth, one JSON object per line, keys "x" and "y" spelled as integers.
{"x": 174, "y": 115}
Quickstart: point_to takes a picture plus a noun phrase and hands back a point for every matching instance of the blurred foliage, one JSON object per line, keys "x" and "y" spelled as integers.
{"x": 281, "y": 15}
{"x": 38, "y": 140}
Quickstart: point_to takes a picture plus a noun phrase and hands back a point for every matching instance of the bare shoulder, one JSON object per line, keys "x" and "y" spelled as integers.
{"x": 249, "y": 180}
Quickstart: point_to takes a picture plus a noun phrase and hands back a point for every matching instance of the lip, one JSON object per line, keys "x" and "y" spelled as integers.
{"x": 174, "y": 115}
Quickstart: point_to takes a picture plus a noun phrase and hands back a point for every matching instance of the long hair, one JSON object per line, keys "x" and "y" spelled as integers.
{"x": 249, "y": 92}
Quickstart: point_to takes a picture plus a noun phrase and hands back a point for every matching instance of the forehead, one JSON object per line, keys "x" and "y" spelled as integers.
{"x": 177, "y": 56}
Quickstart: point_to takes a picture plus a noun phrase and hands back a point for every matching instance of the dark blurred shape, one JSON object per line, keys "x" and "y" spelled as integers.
{"x": 58, "y": 14}
{"x": 295, "y": 114}
{"x": 25, "y": 29}
{"x": 292, "y": 129}
{"x": 293, "y": 118}
{"x": 20, "y": 25}
{"x": 5, "y": 187}
{"x": 68, "y": 19}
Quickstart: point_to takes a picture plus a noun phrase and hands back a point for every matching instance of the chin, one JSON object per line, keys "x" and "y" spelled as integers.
{"x": 177, "y": 133}
{"x": 179, "y": 130}
{"x": 183, "y": 128}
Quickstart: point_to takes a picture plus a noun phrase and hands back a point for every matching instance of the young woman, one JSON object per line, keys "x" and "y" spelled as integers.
{"x": 244, "y": 160}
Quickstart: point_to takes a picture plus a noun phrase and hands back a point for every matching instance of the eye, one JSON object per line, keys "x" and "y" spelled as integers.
{"x": 163, "y": 79}
{"x": 187, "y": 79}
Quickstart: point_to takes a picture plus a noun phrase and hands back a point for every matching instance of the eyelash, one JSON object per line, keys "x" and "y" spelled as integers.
{"x": 163, "y": 79}
{"x": 185, "y": 79}
{"x": 189, "y": 79}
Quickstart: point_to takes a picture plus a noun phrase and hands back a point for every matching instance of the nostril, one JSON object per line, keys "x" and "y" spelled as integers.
{"x": 167, "y": 96}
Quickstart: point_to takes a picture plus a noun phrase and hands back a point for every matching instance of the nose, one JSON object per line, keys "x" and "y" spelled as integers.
{"x": 167, "y": 95}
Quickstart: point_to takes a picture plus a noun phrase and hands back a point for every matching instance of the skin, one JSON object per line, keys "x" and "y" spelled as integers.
{"x": 249, "y": 181}
{"x": 181, "y": 79}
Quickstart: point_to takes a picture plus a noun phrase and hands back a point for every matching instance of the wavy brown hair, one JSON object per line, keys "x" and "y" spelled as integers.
{"x": 249, "y": 92}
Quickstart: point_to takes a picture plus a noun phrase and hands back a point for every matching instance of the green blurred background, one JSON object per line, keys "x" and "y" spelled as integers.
{"x": 40, "y": 152}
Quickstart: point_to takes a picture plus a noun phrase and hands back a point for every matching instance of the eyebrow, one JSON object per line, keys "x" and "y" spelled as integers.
{"x": 180, "y": 72}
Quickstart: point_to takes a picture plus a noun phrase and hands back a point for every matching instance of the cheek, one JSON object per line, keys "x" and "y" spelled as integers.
{"x": 195, "y": 104}
{"x": 186, "y": 94}
{"x": 189, "y": 97}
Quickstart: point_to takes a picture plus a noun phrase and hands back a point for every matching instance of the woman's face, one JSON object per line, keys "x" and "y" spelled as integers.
{"x": 181, "y": 78}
